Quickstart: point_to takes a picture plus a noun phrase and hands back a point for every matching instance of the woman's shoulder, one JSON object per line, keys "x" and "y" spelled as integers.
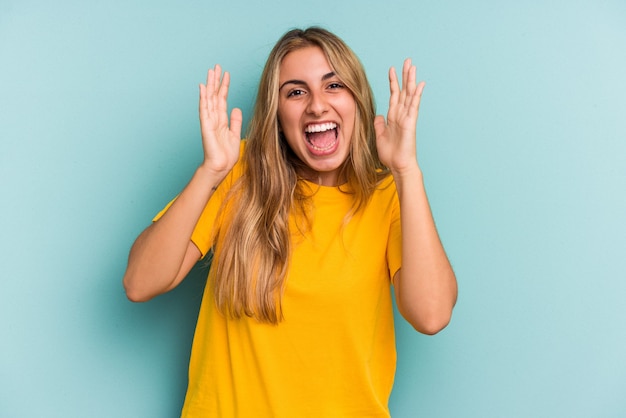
{"x": 386, "y": 183}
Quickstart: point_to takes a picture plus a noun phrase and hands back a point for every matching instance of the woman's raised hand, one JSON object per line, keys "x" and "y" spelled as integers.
{"x": 395, "y": 137}
{"x": 220, "y": 137}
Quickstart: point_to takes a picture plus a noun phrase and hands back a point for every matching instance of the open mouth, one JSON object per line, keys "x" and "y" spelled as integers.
{"x": 321, "y": 137}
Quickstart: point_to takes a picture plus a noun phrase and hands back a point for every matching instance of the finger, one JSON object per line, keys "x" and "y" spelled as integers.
{"x": 379, "y": 126}
{"x": 224, "y": 85}
{"x": 222, "y": 95}
{"x": 406, "y": 65}
{"x": 202, "y": 108}
{"x": 409, "y": 82}
{"x": 210, "y": 75}
{"x": 411, "y": 86}
{"x": 406, "y": 68}
{"x": 416, "y": 99}
{"x": 394, "y": 92}
{"x": 402, "y": 85}
{"x": 209, "y": 92}
{"x": 218, "y": 77}
{"x": 235, "y": 122}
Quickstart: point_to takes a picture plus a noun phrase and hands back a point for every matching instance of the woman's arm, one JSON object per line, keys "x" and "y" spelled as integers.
{"x": 163, "y": 253}
{"x": 425, "y": 285}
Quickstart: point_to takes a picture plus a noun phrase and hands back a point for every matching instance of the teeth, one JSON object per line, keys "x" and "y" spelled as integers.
{"x": 322, "y": 127}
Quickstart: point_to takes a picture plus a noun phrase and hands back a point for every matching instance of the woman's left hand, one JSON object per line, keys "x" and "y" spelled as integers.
{"x": 395, "y": 137}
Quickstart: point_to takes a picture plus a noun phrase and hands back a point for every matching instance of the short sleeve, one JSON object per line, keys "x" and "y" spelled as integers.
{"x": 394, "y": 243}
{"x": 204, "y": 232}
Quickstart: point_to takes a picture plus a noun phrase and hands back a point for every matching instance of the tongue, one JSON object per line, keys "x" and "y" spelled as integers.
{"x": 322, "y": 139}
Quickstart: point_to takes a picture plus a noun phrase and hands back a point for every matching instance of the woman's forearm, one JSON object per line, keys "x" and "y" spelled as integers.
{"x": 163, "y": 254}
{"x": 425, "y": 286}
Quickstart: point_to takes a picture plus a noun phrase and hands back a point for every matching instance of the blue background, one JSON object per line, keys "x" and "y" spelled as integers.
{"x": 521, "y": 137}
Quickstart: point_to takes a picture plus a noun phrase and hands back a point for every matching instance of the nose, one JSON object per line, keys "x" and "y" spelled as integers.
{"x": 317, "y": 104}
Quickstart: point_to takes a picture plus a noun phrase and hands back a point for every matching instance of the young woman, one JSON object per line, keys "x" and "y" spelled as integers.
{"x": 310, "y": 221}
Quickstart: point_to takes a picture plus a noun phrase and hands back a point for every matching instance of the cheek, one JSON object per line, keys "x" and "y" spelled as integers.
{"x": 348, "y": 106}
{"x": 350, "y": 115}
{"x": 279, "y": 118}
{"x": 286, "y": 118}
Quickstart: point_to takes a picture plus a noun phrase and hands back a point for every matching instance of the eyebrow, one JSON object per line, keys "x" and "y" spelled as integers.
{"x": 302, "y": 83}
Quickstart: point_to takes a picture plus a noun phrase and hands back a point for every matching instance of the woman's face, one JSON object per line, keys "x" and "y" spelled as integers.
{"x": 316, "y": 113}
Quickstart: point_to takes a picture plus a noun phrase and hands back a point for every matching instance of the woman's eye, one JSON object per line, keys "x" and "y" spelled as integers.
{"x": 295, "y": 92}
{"x": 335, "y": 86}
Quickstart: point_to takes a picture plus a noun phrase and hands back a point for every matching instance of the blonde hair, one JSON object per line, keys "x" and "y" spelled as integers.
{"x": 253, "y": 246}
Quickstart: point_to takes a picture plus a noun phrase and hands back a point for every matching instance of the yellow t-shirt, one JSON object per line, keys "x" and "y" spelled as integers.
{"x": 334, "y": 354}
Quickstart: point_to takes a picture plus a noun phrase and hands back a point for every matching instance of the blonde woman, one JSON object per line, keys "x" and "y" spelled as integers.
{"x": 310, "y": 222}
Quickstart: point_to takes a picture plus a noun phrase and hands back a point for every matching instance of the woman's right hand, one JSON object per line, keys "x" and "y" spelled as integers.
{"x": 220, "y": 139}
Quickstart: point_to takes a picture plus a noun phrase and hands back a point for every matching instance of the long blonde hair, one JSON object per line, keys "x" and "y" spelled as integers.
{"x": 253, "y": 245}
